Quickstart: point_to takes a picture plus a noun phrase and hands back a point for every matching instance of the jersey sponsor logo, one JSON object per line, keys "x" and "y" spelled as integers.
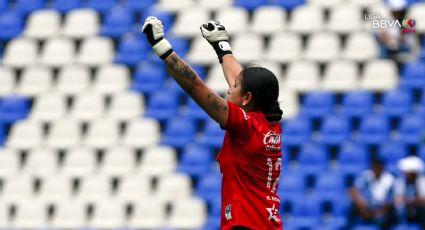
{"x": 273, "y": 213}
{"x": 272, "y": 141}
{"x": 228, "y": 212}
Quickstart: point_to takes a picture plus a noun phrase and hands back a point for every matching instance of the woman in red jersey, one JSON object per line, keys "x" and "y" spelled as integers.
{"x": 250, "y": 159}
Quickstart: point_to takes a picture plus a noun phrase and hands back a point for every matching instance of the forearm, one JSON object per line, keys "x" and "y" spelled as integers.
{"x": 231, "y": 68}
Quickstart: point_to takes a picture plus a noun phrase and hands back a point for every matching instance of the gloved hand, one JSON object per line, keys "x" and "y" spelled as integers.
{"x": 217, "y": 36}
{"x": 154, "y": 30}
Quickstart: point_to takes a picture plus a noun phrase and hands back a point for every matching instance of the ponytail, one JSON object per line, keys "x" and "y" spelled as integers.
{"x": 273, "y": 112}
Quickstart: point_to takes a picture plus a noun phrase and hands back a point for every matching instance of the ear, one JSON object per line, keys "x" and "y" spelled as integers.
{"x": 247, "y": 98}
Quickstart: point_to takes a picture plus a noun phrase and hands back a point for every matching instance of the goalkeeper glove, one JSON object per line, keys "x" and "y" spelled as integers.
{"x": 217, "y": 36}
{"x": 154, "y": 30}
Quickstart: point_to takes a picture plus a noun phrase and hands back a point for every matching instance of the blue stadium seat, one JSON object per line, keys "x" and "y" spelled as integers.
{"x": 421, "y": 153}
{"x": 329, "y": 186}
{"x": 291, "y": 186}
{"x": 313, "y": 158}
{"x": 297, "y": 131}
{"x": 250, "y": 5}
{"x": 288, "y": 4}
{"x": 138, "y": 5}
{"x": 353, "y": 158}
{"x": 213, "y": 135}
{"x": 180, "y": 45}
{"x": 412, "y": 129}
{"x": 102, "y": 6}
{"x": 166, "y": 17}
{"x": 365, "y": 227}
{"x": 407, "y": 227}
{"x": 3, "y": 4}
{"x": 2, "y": 132}
{"x": 307, "y": 211}
{"x": 357, "y": 104}
{"x": 335, "y": 130}
{"x": 196, "y": 160}
{"x": 209, "y": 188}
{"x": 148, "y": 78}
{"x": 374, "y": 129}
{"x": 132, "y": 49}
{"x": 391, "y": 152}
{"x": 11, "y": 25}
{"x": 318, "y": 104}
{"x": 162, "y": 105}
{"x": 13, "y": 109}
{"x": 28, "y": 6}
{"x": 64, "y": 6}
{"x": 413, "y": 75}
{"x": 118, "y": 21}
{"x": 193, "y": 110}
{"x": 179, "y": 131}
{"x": 396, "y": 103}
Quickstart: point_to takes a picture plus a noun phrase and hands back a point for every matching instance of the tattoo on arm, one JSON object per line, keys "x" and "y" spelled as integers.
{"x": 183, "y": 74}
{"x": 217, "y": 103}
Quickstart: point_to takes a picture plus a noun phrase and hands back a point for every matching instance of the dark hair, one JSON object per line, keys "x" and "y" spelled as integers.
{"x": 263, "y": 85}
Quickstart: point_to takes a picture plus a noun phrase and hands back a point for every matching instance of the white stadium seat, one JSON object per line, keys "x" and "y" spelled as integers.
{"x": 58, "y": 52}
{"x": 341, "y": 76}
{"x": 9, "y": 163}
{"x": 289, "y": 103}
{"x": 49, "y": 107}
{"x": 4, "y": 215}
{"x": 268, "y": 20}
{"x": 20, "y": 52}
{"x": 379, "y": 75}
{"x": 361, "y": 47}
{"x": 189, "y": 20}
{"x": 215, "y": 79}
{"x": 55, "y": 189}
{"x": 188, "y": 214}
{"x": 364, "y": 3}
{"x": 7, "y": 81}
{"x": 43, "y": 24}
{"x": 69, "y": 214}
{"x": 79, "y": 161}
{"x": 133, "y": 187}
{"x": 81, "y": 23}
{"x": 25, "y": 134}
{"x": 18, "y": 189}
{"x": 173, "y": 187}
{"x": 102, "y": 133}
{"x": 327, "y": 4}
{"x": 111, "y": 78}
{"x": 64, "y": 134}
{"x": 126, "y": 106}
{"x": 30, "y": 215}
{"x": 284, "y": 47}
{"x": 41, "y": 162}
{"x": 323, "y": 47}
{"x": 158, "y": 160}
{"x": 73, "y": 79}
{"x": 416, "y": 11}
{"x": 108, "y": 215}
{"x": 303, "y": 76}
{"x": 215, "y": 4}
{"x": 141, "y": 133}
{"x": 94, "y": 189}
{"x": 255, "y": 44}
{"x": 307, "y": 19}
{"x": 345, "y": 19}
{"x": 149, "y": 213}
{"x": 118, "y": 161}
{"x": 274, "y": 67}
{"x": 173, "y": 6}
{"x": 35, "y": 80}
{"x": 96, "y": 51}
{"x": 88, "y": 107}
{"x": 235, "y": 19}
{"x": 201, "y": 52}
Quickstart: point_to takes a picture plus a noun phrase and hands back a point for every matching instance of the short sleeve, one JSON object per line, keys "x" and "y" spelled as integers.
{"x": 238, "y": 121}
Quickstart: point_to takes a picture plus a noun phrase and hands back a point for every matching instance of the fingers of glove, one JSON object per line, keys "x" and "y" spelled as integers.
{"x": 149, "y": 20}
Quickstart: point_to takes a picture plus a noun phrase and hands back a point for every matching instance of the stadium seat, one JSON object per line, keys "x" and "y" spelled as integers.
{"x": 344, "y": 18}
{"x": 102, "y": 6}
{"x": 341, "y": 76}
{"x": 3, "y": 4}
{"x": 14, "y": 108}
{"x": 72, "y": 80}
{"x": 173, "y": 6}
{"x": 79, "y": 161}
{"x": 234, "y": 18}
{"x": 35, "y": 81}
{"x": 325, "y": 4}
{"x": 49, "y": 107}
{"x": 268, "y": 19}
{"x": 2, "y": 133}
{"x": 95, "y": 51}
{"x": 275, "y": 68}
{"x": 166, "y": 17}
{"x": 193, "y": 111}
{"x": 312, "y": 159}
{"x": 213, "y": 134}
{"x": 148, "y": 78}
{"x": 251, "y": 5}
{"x": 361, "y": 47}
{"x": 136, "y": 5}
{"x": 306, "y": 19}
{"x": 126, "y": 106}
{"x": 215, "y": 79}
{"x": 379, "y": 75}
{"x": 255, "y": 44}
{"x": 28, "y": 6}
{"x": 365, "y": 227}
{"x": 188, "y": 214}
{"x": 391, "y": 152}
{"x": 173, "y": 187}
{"x": 415, "y": 11}
{"x": 303, "y": 76}
{"x": 4, "y": 215}
{"x": 213, "y": 5}
{"x": 64, "y": 134}
{"x": 43, "y": 24}
{"x": 41, "y": 162}
{"x": 352, "y": 158}
{"x": 323, "y": 47}
{"x": 25, "y": 135}
{"x": 158, "y": 160}
{"x": 329, "y": 185}
{"x": 9, "y": 163}
{"x": 69, "y": 214}
{"x": 289, "y": 99}
{"x": 357, "y": 104}
{"x": 55, "y": 188}
{"x": 292, "y": 186}
{"x": 396, "y": 103}
{"x": 196, "y": 160}
{"x": 181, "y": 46}
{"x": 411, "y": 129}
{"x": 284, "y": 47}
{"x": 407, "y": 227}
{"x": 335, "y": 130}
{"x": 307, "y": 211}
{"x": 297, "y": 132}
{"x": 7, "y": 81}
{"x": 141, "y": 133}
{"x": 132, "y": 187}
{"x": 11, "y": 25}
{"x": 118, "y": 20}
{"x": 118, "y": 162}
{"x": 318, "y": 104}
{"x": 19, "y": 189}
{"x": 107, "y": 214}
{"x": 102, "y": 133}
{"x": 162, "y": 105}
{"x": 80, "y": 23}
{"x": 111, "y": 79}
{"x": 374, "y": 129}
{"x": 188, "y": 21}
{"x": 209, "y": 187}
{"x": 413, "y": 75}
{"x": 201, "y": 52}
{"x": 30, "y": 215}
{"x": 58, "y": 52}
{"x": 289, "y": 5}
{"x": 20, "y": 52}
{"x": 87, "y": 107}
{"x": 131, "y": 50}
{"x": 179, "y": 131}
{"x": 149, "y": 213}
{"x": 94, "y": 188}
{"x": 64, "y": 6}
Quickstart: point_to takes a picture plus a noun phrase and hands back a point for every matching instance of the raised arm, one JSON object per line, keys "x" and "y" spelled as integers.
{"x": 217, "y": 36}
{"x": 185, "y": 76}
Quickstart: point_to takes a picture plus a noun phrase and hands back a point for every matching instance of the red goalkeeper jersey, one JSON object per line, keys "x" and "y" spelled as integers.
{"x": 250, "y": 163}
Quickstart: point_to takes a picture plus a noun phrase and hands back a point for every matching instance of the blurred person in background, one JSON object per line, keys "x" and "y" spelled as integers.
{"x": 410, "y": 191}
{"x": 371, "y": 197}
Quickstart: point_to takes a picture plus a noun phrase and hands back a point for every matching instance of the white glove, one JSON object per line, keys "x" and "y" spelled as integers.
{"x": 217, "y": 36}
{"x": 154, "y": 30}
